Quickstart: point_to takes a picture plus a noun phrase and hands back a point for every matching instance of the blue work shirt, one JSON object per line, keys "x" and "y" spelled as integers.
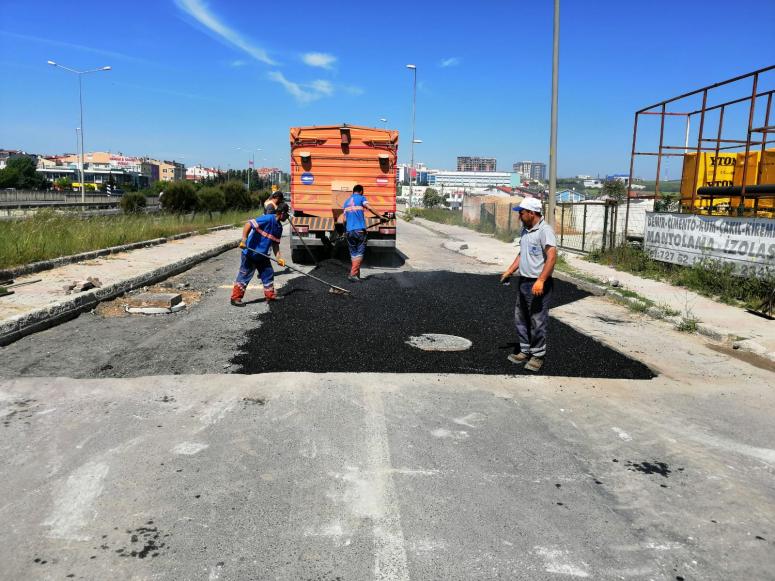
{"x": 353, "y": 212}
{"x": 266, "y": 230}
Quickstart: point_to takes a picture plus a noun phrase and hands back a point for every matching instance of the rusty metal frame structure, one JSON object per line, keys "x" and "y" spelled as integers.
{"x": 705, "y": 144}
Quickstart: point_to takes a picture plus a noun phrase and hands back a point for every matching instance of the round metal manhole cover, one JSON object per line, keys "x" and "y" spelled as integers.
{"x": 439, "y": 342}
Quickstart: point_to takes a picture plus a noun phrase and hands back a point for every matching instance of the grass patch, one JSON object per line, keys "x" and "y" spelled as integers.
{"x": 48, "y": 234}
{"x": 452, "y": 217}
{"x": 687, "y": 325}
{"x": 710, "y": 278}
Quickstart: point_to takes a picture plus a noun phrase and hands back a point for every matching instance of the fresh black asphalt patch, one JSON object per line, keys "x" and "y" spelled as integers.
{"x": 312, "y": 330}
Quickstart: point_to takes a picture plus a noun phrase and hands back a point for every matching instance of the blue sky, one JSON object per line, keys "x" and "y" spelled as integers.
{"x": 193, "y": 80}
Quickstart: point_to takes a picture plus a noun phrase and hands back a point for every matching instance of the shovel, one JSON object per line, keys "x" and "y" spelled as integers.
{"x": 336, "y": 289}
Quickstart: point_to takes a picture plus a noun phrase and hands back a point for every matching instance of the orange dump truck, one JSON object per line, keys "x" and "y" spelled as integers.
{"x": 326, "y": 162}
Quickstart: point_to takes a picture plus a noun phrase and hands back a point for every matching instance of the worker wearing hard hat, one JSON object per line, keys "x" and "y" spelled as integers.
{"x": 260, "y": 236}
{"x": 355, "y": 223}
{"x": 535, "y": 261}
{"x": 270, "y": 206}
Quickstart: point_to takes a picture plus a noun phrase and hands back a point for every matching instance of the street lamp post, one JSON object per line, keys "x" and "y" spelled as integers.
{"x": 80, "y": 100}
{"x": 384, "y": 122}
{"x": 553, "y": 131}
{"x": 413, "y": 68}
{"x": 251, "y": 163}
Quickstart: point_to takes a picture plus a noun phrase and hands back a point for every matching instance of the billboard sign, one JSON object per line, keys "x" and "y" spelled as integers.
{"x": 685, "y": 239}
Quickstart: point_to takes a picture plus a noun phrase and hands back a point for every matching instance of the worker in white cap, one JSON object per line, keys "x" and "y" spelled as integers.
{"x": 535, "y": 263}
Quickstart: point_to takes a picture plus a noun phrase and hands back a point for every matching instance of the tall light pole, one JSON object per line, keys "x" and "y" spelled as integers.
{"x": 553, "y": 135}
{"x": 251, "y": 163}
{"x": 80, "y": 99}
{"x": 384, "y": 122}
{"x": 413, "y": 68}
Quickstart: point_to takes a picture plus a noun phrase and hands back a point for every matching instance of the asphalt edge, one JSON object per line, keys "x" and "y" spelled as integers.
{"x": 34, "y": 267}
{"x": 23, "y": 325}
{"x": 599, "y": 288}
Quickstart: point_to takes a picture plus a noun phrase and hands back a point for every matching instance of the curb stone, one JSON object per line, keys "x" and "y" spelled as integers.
{"x": 17, "y": 327}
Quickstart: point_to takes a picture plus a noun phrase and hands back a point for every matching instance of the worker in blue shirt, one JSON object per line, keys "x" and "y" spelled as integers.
{"x": 355, "y": 222}
{"x": 261, "y": 235}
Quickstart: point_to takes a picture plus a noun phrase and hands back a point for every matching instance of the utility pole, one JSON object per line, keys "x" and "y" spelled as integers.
{"x": 553, "y": 136}
{"x": 414, "y": 109}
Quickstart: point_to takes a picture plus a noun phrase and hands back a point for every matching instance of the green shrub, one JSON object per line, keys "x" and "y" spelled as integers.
{"x": 179, "y": 197}
{"x": 236, "y": 195}
{"x": 133, "y": 202}
{"x": 211, "y": 199}
{"x": 257, "y": 199}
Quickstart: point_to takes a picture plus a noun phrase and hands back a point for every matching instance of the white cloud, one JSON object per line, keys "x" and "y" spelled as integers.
{"x": 200, "y": 12}
{"x": 237, "y": 64}
{"x": 303, "y": 93}
{"x": 450, "y": 62}
{"x": 356, "y": 91}
{"x": 324, "y": 87}
{"x": 70, "y": 45}
{"x": 319, "y": 59}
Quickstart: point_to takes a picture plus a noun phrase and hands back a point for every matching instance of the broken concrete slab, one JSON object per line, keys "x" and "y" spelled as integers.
{"x": 154, "y": 300}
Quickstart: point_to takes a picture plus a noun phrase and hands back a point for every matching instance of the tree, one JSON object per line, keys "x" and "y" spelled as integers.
{"x": 63, "y": 184}
{"x": 211, "y": 199}
{"x": 158, "y": 187}
{"x": 431, "y": 198}
{"x": 236, "y": 195}
{"x": 257, "y": 199}
{"x": 133, "y": 202}
{"x": 614, "y": 189}
{"x": 179, "y": 197}
{"x": 19, "y": 173}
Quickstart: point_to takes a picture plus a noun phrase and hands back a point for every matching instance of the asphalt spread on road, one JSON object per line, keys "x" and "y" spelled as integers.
{"x": 312, "y": 330}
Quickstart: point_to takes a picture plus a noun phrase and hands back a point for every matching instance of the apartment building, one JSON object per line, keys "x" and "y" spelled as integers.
{"x": 465, "y": 163}
{"x": 535, "y": 170}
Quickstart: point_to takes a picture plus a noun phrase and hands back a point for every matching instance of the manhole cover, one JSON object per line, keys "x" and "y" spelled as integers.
{"x": 438, "y": 342}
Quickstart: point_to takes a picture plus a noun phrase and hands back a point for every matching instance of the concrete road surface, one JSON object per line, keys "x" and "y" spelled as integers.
{"x": 129, "y": 451}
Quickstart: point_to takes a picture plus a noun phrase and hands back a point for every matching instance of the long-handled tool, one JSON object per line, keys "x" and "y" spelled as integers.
{"x": 338, "y": 289}
{"x": 304, "y": 244}
{"x": 382, "y": 220}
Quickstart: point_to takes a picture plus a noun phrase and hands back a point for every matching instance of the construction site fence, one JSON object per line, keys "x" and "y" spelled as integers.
{"x": 578, "y": 226}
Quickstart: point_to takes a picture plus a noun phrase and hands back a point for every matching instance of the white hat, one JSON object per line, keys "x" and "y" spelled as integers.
{"x": 532, "y": 204}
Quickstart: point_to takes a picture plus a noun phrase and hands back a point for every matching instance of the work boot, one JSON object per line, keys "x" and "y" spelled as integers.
{"x": 353, "y": 278}
{"x": 270, "y": 295}
{"x": 518, "y": 358}
{"x": 534, "y": 364}
{"x": 237, "y": 292}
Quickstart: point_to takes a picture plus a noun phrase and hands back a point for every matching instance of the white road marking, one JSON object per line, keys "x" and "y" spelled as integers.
{"x": 472, "y": 417}
{"x": 443, "y": 433}
{"x": 622, "y": 434}
{"x": 556, "y": 561}
{"x": 73, "y": 504}
{"x": 390, "y": 561}
{"x": 216, "y": 412}
{"x": 189, "y": 448}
